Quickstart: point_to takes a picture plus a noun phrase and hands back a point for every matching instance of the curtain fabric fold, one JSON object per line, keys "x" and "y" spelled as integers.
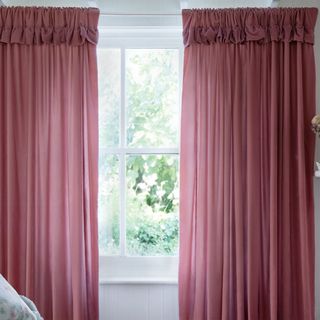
{"x": 27, "y": 25}
{"x": 48, "y": 158}
{"x": 248, "y": 24}
{"x": 247, "y": 152}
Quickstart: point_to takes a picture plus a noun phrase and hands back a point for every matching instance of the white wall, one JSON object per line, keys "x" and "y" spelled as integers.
{"x": 140, "y": 6}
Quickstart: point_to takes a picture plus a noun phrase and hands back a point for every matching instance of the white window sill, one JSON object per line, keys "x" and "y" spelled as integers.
{"x": 136, "y": 270}
{"x": 155, "y": 281}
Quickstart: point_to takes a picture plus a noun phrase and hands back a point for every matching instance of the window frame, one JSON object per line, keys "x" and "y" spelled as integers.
{"x": 123, "y": 268}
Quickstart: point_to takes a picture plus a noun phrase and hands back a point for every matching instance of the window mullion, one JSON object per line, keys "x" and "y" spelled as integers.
{"x": 122, "y": 158}
{"x": 126, "y": 150}
{"x": 160, "y": 151}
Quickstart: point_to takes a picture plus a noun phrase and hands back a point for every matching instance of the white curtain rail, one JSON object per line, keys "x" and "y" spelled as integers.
{"x": 140, "y": 14}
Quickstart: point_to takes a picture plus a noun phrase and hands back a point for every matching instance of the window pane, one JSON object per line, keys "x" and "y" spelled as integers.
{"x": 109, "y": 66}
{"x": 152, "y": 205}
{"x": 152, "y": 78}
{"x": 109, "y": 204}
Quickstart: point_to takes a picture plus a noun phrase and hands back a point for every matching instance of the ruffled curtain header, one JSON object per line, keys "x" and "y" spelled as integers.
{"x": 208, "y": 26}
{"x": 29, "y": 25}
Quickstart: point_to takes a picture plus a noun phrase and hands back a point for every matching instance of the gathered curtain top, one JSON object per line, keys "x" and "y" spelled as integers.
{"x": 208, "y": 26}
{"x": 29, "y": 25}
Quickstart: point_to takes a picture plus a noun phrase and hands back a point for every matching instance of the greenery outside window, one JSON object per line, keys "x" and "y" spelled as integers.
{"x": 139, "y": 98}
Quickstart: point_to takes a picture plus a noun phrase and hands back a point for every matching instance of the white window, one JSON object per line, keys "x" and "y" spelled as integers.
{"x": 139, "y": 115}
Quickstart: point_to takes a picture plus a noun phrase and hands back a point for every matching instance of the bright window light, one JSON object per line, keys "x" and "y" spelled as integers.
{"x": 139, "y": 153}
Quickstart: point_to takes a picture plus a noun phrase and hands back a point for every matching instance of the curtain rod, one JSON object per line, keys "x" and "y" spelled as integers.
{"x": 141, "y": 14}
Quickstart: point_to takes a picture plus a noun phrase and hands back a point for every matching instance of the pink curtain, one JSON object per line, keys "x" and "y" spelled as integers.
{"x": 48, "y": 158}
{"x": 247, "y": 151}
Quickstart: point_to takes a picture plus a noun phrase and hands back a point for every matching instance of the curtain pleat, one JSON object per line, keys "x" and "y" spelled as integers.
{"x": 49, "y": 173}
{"x": 247, "y": 152}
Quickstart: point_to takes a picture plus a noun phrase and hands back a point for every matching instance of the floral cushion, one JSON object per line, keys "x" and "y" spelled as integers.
{"x": 12, "y": 306}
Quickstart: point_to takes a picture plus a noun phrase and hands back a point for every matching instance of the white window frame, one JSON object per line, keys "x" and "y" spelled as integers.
{"x": 123, "y": 268}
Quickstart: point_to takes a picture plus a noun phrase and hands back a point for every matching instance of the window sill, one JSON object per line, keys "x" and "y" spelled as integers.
{"x": 156, "y": 281}
{"x": 138, "y": 269}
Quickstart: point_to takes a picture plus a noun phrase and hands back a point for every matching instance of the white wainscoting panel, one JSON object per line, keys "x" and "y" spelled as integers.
{"x": 138, "y": 301}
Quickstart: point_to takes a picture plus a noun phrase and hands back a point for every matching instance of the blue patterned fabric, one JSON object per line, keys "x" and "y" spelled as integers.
{"x": 12, "y": 307}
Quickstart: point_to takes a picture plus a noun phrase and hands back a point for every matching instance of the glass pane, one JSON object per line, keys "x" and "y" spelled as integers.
{"x": 109, "y": 204}
{"x": 109, "y": 67}
{"x": 152, "y": 81}
{"x": 152, "y": 205}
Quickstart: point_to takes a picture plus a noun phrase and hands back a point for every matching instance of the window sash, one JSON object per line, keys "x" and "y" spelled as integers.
{"x": 122, "y": 42}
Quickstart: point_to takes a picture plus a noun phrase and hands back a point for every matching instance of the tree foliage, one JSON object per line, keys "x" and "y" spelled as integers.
{"x": 152, "y": 224}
